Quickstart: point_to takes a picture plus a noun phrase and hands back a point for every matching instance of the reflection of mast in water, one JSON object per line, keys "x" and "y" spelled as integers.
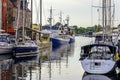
{"x": 15, "y": 72}
{"x": 22, "y": 71}
{"x": 30, "y": 68}
{"x": 59, "y": 63}
{"x": 49, "y": 63}
{"x": 40, "y": 61}
{"x": 22, "y": 74}
{"x": 39, "y": 69}
{"x": 67, "y": 57}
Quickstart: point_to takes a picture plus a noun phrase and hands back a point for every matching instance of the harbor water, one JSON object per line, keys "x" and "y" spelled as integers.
{"x": 60, "y": 63}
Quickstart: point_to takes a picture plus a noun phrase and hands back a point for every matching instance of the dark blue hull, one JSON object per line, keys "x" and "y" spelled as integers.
{"x": 56, "y": 42}
{"x": 25, "y": 51}
{"x": 72, "y": 40}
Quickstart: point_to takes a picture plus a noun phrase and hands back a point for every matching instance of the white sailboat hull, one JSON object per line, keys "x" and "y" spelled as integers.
{"x": 98, "y": 66}
{"x": 6, "y": 49}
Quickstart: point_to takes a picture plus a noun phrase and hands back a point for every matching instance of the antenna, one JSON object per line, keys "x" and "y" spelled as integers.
{"x": 60, "y": 17}
{"x": 68, "y": 19}
{"x": 51, "y": 17}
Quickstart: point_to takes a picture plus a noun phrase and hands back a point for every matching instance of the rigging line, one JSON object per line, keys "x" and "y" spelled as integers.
{"x": 113, "y": 15}
{"x": 99, "y": 13}
{"x": 91, "y": 13}
{"x": 116, "y": 17}
{"x": 38, "y": 14}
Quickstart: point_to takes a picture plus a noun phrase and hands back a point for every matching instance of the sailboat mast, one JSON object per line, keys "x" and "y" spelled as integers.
{"x": 40, "y": 14}
{"x": 109, "y": 15}
{"x": 103, "y": 17}
{"x": 0, "y": 14}
{"x": 106, "y": 16}
{"x": 23, "y": 21}
{"x": 18, "y": 17}
{"x": 31, "y": 12}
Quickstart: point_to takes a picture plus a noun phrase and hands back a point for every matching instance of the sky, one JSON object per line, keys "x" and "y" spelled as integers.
{"x": 80, "y": 11}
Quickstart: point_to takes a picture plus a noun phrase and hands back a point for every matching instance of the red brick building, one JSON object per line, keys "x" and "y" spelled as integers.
{"x": 10, "y": 11}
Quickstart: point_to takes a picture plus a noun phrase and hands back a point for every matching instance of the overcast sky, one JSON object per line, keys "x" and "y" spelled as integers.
{"x": 80, "y": 11}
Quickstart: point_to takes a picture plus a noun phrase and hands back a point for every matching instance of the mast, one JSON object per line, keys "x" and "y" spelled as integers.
{"x": 60, "y": 17}
{"x": 31, "y": 11}
{"x": 40, "y": 14}
{"x": 103, "y": 18}
{"x": 18, "y": 18}
{"x": 0, "y": 14}
{"x": 68, "y": 19}
{"x": 109, "y": 15}
{"x": 23, "y": 20}
{"x": 50, "y": 19}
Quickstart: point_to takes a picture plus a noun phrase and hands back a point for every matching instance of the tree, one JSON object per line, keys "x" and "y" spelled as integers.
{"x": 97, "y": 28}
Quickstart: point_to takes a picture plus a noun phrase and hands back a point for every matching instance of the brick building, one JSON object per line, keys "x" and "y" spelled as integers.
{"x": 9, "y": 21}
{"x": 27, "y": 15}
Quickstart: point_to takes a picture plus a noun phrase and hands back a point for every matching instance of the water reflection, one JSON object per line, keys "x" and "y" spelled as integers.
{"x": 59, "y": 55}
{"x": 5, "y": 70}
{"x": 23, "y": 69}
{"x": 60, "y": 64}
{"x": 95, "y": 77}
{"x": 55, "y": 61}
{"x": 87, "y": 76}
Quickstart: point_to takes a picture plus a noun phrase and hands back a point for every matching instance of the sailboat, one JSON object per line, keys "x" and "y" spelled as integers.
{"x": 24, "y": 47}
{"x": 98, "y": 58}
{"x": 6, "y": 46}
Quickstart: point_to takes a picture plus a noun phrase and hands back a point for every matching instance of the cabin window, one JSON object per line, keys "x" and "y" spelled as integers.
{"x": 100, "y": 52}
{"x": 100, "y": 49}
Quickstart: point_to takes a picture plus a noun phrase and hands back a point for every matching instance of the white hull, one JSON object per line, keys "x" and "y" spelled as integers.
{"x": 5, "y": 48}
{"x": 98, "y": 66}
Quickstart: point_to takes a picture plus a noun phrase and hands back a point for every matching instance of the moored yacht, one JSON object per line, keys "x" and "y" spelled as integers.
{"x": 6, "y": 46}
{"x": 24, "y": 46}
{"x": 98, "y": 58}
{"x": 28, "y": 48}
